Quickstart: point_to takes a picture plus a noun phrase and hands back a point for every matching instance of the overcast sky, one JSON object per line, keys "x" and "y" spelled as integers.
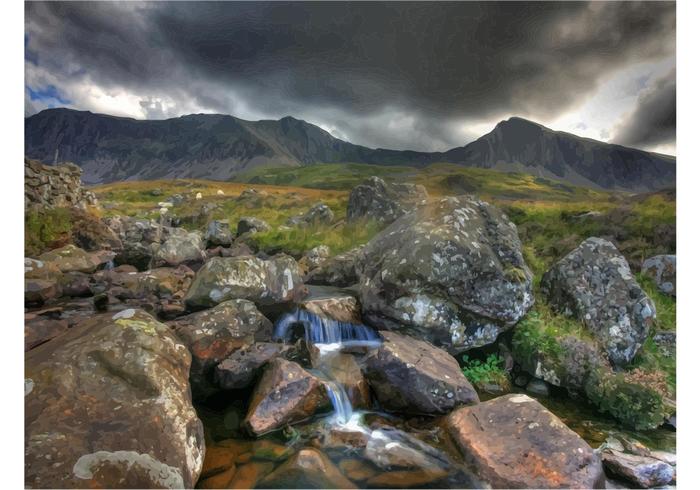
{"x": 415, "y": 76}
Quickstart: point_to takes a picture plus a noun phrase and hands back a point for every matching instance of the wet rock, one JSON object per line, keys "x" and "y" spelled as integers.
{"x": 450, "y": 272}
{"x": 249, "y": 224}
{"x": 318, "y": 214}
{"x": 242, "y": 367}
{"x": 342, "y": 307}
{"x": 436, "y": 385}
{"x": 180, "y": 248}
{"x": 309, "y": 468}
{"x": 406, "y": 479}
{"x": 213, "y": 335}
{"x": 356, "y": 469}
{"x": 336, "y": 271}
{"x": 42, "y": 329}
{"x": 538, "y": 387}
{"x": 285, "y": 394}
{"x": 70, "y": 259}
{"x": 395, "y": 449}
{"x": 662, "y": 268}
{"x": 383, "y": 202}
{"x": 640, "y": 471}
{"x": 39, "y": 291}
{"x": 107, "y": 405}
{"x": 514, "y": 442}
{"x": 218, "y": 233}
{"x": 75, "y": 284}
{"x": 344, "y": 369}
{"x": 276, "y": 280}
{"x": 248, "y": 475}
{"x": 594, "y": 284}
{"x": 217, "y": 460}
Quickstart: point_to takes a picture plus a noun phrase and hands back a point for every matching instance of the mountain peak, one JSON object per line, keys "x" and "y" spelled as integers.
{"x": 520, "y": 123}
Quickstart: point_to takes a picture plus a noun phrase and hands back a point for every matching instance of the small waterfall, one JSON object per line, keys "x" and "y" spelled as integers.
{"x": 109, "y": 265}
{"x": 341, "y": 403}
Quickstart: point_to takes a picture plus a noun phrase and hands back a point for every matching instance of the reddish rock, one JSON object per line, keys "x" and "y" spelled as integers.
{"x": 309, "y": 468}
{"x": 42, "y": 329}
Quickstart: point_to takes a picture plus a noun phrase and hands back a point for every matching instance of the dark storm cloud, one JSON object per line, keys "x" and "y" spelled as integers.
{"x": 653, "y": 120}
{"x": 384, "y": 74}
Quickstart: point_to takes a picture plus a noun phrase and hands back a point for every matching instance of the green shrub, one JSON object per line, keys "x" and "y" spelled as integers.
{"x": 484, "y": 372}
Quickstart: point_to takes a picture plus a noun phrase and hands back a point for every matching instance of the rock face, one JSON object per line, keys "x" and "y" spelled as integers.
{"x": 336, "y": 271}
{"x": 382, "y": 202}
{"x": 218, "y": 233}
{"x": 55, "y": 186}
{"x": 318, "y": 214}
{"x": 412, "y": 376}
{"x": 594, "y": 283}
{"x": 270, "y": 281}
{"x": 214, "y": 334}
{"x": 451, "y": 272}
{"x": 179, "y": 248}
{"x": 108, "y": 405}
{"x": 641, "y": 471}
{"x": 285, "y": 394}
{"x": 662, "y": 268}
{"x": 514, "y": 442}
{"x": 249, "y": 224}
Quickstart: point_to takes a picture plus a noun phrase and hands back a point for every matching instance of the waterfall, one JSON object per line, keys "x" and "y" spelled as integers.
{"x": 109, "y": 265}
{"x": 342, "y": 408}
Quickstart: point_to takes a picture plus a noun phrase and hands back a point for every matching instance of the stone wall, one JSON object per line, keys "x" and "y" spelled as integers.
{"x": 55, "y": 186}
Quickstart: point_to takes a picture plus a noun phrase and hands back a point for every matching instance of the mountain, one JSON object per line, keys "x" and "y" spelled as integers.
{"x": 219, "y": 147}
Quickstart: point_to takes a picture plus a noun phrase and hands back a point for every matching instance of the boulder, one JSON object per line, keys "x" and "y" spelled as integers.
{"x": 314, "y": 258}
{"x": 383, "y": 202}
{"x": 450, "y": 272}
{"x": 286, "y": 394}
{"x": 336, "y": 305}
{"x": 436, "y": 386}
{"x": 309, "y": 468}
{"x": 212, "y": 335}
{"x": 180, "y": 248}
{"x": 276, "y": 280}
{"x": 249, "y": 224}
{"x": 318, "y": 214}
{"x": 662, "y": 268}
{"x": 107, "y": 405}
{"x": 139, "y": 238}
{"x": 39, "y": 291}
{"x": 71, "y": 259}
{"x": 344, "y": 369}
{"x": 395, "y": 449}
{"x": 42, "y": 329}
{"x": 336, "y": 271}
{"x": 241, "y": 368}
{"x": 640, "y": 471}
{"x": 594, "y": 284}
{"x": 75, "y": 284}
{"x": 514, "y": 442}
{"x": 218, "y": 233}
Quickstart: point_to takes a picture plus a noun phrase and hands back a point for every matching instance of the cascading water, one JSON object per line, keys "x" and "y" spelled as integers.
{"x": 109, "y": 265}
{"x": 330, "y": 337}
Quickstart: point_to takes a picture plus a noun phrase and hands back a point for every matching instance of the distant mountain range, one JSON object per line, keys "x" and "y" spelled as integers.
{"x": 219, "y": 147}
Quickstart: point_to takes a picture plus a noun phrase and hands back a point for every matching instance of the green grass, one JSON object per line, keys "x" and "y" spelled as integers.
{"x": 489, "y": 371}
{"x": 45, "y": 229}
{"x": 665, "y": 304}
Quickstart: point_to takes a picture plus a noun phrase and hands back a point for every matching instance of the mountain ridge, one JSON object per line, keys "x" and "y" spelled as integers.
{"x": 220, "y": 146}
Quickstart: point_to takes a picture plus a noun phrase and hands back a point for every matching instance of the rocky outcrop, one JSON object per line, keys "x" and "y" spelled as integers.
{"x": 285, "y": 394}
{"x": 514, "y": 442}
{"x": 213, "y": 335}
{"x": 451, "y": 272}
{"x": 383, "y": 202}
{"x": 436, "y": 385}
{"x": 55, "y": 186}
{"x": 107, "y": 405}
{"x": 276, "y": 280}
{"x": 318, "y": 214}
{"x": 662, "y": 268}
{"x": 594, "y": 284}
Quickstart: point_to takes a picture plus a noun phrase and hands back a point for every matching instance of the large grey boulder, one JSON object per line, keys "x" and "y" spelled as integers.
{"x": 338, "y": 270}
{"x": 276, "y": 280}
{"x": 218, "y": 233}
{"x": 594, "y": 284}
{"x": 662, "y": 268}
{"x": 107, "y": 405}
{"x": 450, "y": 272}
{"x": 180, "y": 248}
{"x": 140, "y": 238}
{"x": 249, "y": 224}
{"x": 318, "y": 214}
{"x": 412, "y": 376}
{"x": 383, "y": 202}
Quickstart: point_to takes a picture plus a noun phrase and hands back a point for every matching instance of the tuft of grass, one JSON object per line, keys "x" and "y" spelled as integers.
{"x": 665, "y": 304}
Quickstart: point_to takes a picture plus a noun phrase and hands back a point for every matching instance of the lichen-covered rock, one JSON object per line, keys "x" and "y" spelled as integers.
{"x": 179, "y": 248}
{"x": 276, "y": 280}
{"x": 139, "y": 237}
{"x": 514, "y": 442}
{"x": 412, "y": 376}
{"x": 212, "y": 335}
{"x": 286, "y": 394}
{"x": 662, "y": 268}
{"x": 249, "y": 224}
{"x": 240, "y": 369}
{"x": 107, "y": 405}
{"x": 331, "y": 303}
{"x": 336, "y": 271}
{"x": 383, "y": 202}
{"x": 218, "y": 233}
{"x": 314, "y": 258}
{"x": 594, "y": 283}
{"x": 640, "y": 471}
{"x": 318, "y": 214}
{"x": 71, "y": 259}
{"x": 450, "y": 272}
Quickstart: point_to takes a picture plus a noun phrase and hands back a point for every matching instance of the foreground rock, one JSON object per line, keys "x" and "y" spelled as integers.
{"x": 514, "y": 442}
{"x": 640, "y": 471}
{"x": 107, "y": 405}
{"x": 241, "y": 368}
{"x": 662, "y": 268}
{"x": 412, "y": 376}
{"x": 382, "y": 202}
{"x": 213, "y": 335}
{"x": 285, "y": 394}
{"x": 450, "y": 272}
{"x": 71, "y": 259}
{"x": 594, "y": 284}
{"x": 276, "y": 280}
{"x": 309, "y": 468}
